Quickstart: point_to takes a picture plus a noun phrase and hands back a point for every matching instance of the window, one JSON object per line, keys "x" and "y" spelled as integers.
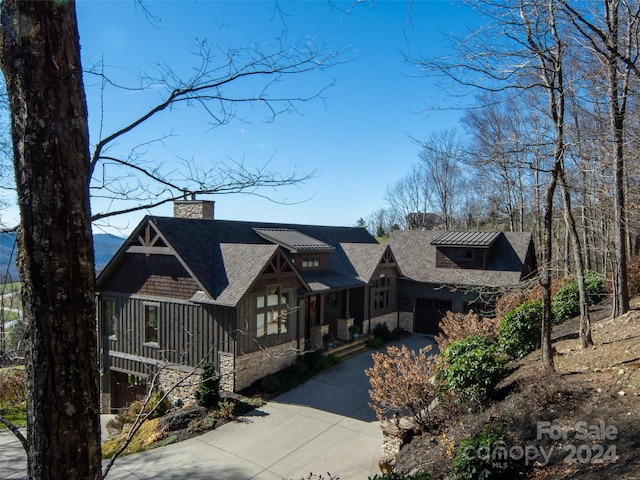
{"x": 109, "y": 317}
{"x": 382, "y": 293}
{"x": 460, "y": 254}
{"x": 151, "y": 323}
{"x": 272, "y": 312}
{"x": 310, "y": 262}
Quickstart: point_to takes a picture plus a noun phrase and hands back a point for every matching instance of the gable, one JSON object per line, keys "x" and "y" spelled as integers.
{"x": 241, "y": 268}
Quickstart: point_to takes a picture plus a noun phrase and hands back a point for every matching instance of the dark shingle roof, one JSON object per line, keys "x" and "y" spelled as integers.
{"x": 415, "y": 253}
{"x": 226, "y": 256}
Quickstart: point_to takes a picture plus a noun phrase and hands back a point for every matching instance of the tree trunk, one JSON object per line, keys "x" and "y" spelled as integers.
{"x": 40, "y": 59}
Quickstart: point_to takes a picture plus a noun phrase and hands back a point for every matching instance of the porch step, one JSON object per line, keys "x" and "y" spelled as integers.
{"x": 350, "y": 349}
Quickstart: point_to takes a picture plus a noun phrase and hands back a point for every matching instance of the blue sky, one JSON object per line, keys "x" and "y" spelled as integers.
{"x": 358, "y": 140}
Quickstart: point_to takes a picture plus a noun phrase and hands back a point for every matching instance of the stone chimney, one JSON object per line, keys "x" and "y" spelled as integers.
{"x": 202, "y": 209}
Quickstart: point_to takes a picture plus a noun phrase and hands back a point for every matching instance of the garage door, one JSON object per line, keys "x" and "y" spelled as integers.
{"x": 428, "y": 313}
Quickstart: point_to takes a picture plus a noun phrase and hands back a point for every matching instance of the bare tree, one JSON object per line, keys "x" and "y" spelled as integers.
{"x": 613, "y": 36}
{"x": 440, "y": 158}
{"x": 40, "y": 58}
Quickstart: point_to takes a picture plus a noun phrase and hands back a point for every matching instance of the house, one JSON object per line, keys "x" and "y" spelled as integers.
{"x": 247, "y": 296}
{"x": 456, "y": 271}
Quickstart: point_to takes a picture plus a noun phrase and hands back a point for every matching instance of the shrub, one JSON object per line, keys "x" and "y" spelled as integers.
{"x": 594, "y": 285}
{"x": 12, "y": 388}
{"x": 400, "y": 382}
{"x": 375, "y": 342}
{"x": 155, "y": 407}
{"x": 633, "y": 276}
{"x": 476, "y": 459}
{"x": 520, "y": 330}
{"x": 468, "y": 370}
{"x": 402, "y": 476}
{"x": 305, "y": 367}
{"x": 208, "y": 391}
{"x": 381, "y": 330}
{"x": 456, "y": 326}
{"x": 566, "y": 302}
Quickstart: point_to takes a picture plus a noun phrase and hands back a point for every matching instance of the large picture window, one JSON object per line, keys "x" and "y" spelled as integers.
{"x": 272, "y": 312}
{"x": 381, "y": 293}
{"x": 151, "y": 323}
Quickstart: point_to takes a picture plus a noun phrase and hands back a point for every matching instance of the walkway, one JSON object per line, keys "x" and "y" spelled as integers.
{"x": 322, "y": 426}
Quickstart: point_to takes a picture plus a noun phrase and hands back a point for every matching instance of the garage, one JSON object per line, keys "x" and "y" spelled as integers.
{"x": 428, "y": 313}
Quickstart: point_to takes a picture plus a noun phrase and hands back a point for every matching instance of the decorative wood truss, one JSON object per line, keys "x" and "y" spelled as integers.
{"x": 150, "y": 242}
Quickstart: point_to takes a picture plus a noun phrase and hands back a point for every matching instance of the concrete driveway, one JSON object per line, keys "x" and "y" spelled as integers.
{"x": 322, "y": 426}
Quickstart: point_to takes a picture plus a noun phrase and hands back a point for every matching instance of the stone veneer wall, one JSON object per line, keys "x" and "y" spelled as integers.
{"x": 391, "y": 319}
{"x": 252, "y": 366}
{"x": 406, "y": 321}
{"x": 105, "y": 402}
{"x": 317, "y": 334}
{"x": 343, "y": 329}
{"x": 183, "y": 388}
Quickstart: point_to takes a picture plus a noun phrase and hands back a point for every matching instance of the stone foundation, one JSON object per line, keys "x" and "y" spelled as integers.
{"x": 406, "y": 321}
{"x": 253, "y": 366}
{"x": 227, "y": 371}
{"x": 184, "y": 382}
{"x": 390, "y": 319}
{"x": 105, "y": 402}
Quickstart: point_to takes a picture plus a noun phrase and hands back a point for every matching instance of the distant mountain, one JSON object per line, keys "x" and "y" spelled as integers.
{"x": 104, "y": 245}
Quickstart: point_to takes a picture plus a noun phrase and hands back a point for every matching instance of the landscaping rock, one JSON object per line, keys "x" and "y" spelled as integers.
{"x": 180, "y": 419}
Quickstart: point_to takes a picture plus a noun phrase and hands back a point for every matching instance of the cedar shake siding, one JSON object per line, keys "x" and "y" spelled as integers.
{"x": 153, "y": 275}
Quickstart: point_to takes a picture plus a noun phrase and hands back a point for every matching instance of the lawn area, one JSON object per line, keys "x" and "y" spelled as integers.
{"x": 12, "y": 396}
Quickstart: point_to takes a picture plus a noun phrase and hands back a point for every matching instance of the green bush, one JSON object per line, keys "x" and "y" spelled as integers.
{"x": 566, "y": 302}
{"x": 594, "y": 285}
{"x": 208, "y": 392}
{"x": 381, "y": 330}
{"x": 519, "y": 332}
{"x": 468, "y": 370}
{"x": 483, "y": 456}
{"x": 401, "y": 476}
{"x": 374, "y": 342}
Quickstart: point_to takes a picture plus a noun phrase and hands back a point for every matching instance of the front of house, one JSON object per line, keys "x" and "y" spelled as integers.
{"x": 246, "y": 296}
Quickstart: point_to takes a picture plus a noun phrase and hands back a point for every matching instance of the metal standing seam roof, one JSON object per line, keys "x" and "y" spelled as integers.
{"x": 293, "y": 240}
{"x": 466, "y": 239}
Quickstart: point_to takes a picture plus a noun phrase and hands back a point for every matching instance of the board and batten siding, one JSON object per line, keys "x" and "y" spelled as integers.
{"x": 188, "y": 334}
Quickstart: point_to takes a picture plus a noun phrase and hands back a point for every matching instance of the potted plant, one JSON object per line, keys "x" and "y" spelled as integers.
{"x": 354, "y": 330}
{"x": 329, "y": 339}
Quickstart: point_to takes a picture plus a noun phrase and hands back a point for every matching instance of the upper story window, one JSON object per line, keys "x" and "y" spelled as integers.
{"x": 310, "y": 262}
{"x": 151, "y": 314}
{"x": 272, "y": 312}
{"x": 460, "y": 253}
{"x": 109, "y": 316}
{"x": 381, "y": 293}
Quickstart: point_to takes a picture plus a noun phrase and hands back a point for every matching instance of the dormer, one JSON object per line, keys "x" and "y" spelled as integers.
{"x": 465, "y": 250}
{"x": 307, "y": 253}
